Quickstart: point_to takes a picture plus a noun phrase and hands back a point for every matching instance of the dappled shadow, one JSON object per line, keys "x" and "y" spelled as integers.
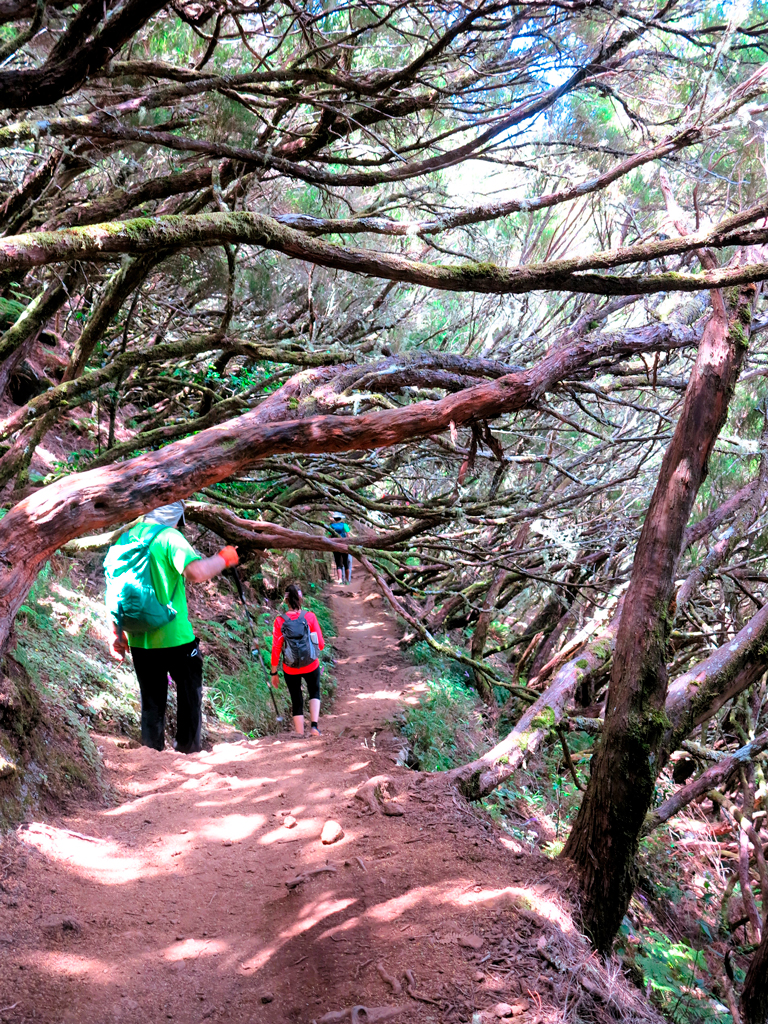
{"x": 173, "y": 904}
{"x": 183, "y": 884}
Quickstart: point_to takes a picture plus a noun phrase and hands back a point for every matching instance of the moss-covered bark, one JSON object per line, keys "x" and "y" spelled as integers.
{"x": 603, "y": 842}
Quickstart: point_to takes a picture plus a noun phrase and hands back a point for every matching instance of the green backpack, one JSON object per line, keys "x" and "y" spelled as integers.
{"x": 130, "y": 596}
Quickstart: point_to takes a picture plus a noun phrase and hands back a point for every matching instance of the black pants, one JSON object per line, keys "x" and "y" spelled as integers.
{"x": 293, "y": 682}
{"x": 185, "y": 666}
{"x": 343, "y": 561}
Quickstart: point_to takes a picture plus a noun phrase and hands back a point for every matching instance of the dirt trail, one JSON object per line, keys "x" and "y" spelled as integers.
{"x": 173, "y": 905}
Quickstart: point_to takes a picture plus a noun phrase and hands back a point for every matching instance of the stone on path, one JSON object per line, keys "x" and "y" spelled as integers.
{"x": 59, "y": 926}
{"x": 332, "y": 833}
{"x": 471, "y": 941}
{"x": 290, "y": 822}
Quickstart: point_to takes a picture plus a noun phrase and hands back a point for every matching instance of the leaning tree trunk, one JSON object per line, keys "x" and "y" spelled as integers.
{"x": 99, "y": 498}
{"x": 604, "y": 839}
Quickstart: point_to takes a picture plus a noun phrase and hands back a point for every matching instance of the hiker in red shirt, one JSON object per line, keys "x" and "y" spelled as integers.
{"x": 298, "y": 637}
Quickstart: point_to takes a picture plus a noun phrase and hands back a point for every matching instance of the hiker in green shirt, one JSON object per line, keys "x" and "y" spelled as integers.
{"x": 170, "y": 649}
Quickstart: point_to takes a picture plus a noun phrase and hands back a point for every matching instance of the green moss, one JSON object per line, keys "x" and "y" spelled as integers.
{"x": 737, "y": 334}
{"x": 545, "y": 719}
{"x": 582, "y": 663}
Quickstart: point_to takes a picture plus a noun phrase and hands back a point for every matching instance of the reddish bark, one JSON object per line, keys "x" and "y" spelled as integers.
{"x": 91, "y": 501}
{"x": 603, "y": 842}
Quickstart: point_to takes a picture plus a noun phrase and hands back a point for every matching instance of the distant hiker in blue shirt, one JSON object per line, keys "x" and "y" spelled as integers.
{"x": 343, "y": 561}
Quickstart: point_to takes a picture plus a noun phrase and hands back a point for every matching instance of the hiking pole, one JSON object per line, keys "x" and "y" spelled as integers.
{"x": 255, "y": 652}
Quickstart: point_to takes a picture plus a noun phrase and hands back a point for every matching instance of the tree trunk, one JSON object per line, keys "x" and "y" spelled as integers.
{"x": 604, "y": 839}
{"x": 754, "y": 996}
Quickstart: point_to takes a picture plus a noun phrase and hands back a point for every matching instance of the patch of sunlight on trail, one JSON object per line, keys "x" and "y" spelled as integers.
{"x": 380, "y": 695}
{"x": 73, "y": 966}
{"x": 191, "y": 949}
{"x": 101, "y": 860}
{"x": 234, "y": 827}
{"x": 515, "y": 897}
{"x": 311, "y": 915}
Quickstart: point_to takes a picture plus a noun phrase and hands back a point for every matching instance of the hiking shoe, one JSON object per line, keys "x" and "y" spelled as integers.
{"x": 315, "y": 731}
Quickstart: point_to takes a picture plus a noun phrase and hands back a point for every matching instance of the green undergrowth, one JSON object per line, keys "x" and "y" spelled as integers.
{"x": 446, "y": 727}
{"x": 676, "y": 976}
{"x": 62, "y": 642}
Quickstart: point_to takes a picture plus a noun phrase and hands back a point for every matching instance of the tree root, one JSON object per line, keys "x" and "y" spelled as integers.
{"x": 374, "y": 790}
{"x": 390, "y": 979}
{"x": 306, "y": 875}
{"x": 361, "y": 1014}
{"x": 410, "y": 988}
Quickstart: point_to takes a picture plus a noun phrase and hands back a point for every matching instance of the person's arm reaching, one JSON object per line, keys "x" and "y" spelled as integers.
{"x": 203, "y": 569}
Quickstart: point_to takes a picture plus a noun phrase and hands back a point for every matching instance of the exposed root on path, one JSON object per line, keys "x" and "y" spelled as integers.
{"x": 305, "y": 876}
{"x": 362, "y": 1014}
{"x": 390, "y": 979}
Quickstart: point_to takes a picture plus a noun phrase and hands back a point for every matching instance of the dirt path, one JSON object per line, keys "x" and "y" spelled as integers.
{"x": 173, "y": 905}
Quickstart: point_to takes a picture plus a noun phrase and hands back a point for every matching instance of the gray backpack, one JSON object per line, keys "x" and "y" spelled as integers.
{"x": 298, "y": 649}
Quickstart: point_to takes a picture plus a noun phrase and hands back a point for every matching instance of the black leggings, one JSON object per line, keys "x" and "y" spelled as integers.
{"x": 342, "y": 560}
{"x": 185, "y": 665}
{"x": 293, "y": 682}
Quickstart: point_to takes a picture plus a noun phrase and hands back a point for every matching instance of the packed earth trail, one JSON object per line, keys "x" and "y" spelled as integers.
{"x": 195, "y": 898}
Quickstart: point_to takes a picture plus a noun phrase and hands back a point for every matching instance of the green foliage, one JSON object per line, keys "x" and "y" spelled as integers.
{"x": 242, "y": 699}
{"x": 439, "y": 728}
{"x": 62, "y": 645}
{"x": 10, "y": 311}
{"x": 676, "y": 975}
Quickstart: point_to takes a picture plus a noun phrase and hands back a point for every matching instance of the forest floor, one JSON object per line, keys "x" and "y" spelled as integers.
{"x": 174, "y": 903}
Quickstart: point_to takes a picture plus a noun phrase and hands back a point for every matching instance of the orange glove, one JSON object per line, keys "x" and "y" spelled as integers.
{"x": 229, "y": 555}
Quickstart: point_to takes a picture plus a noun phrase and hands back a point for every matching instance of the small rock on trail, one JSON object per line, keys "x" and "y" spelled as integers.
{"x": 332, "y": 833}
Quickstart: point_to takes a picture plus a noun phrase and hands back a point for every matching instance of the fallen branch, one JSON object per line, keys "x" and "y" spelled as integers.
{"x": 716, "y": 775}
{"x": 306, "y": 875}
{"x": 699, "y": 693}
{"x": 482, "y": 776}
